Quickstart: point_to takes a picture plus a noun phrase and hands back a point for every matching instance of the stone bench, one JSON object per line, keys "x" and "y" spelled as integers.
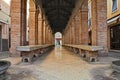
{"x": 31, "y": 51}
{"x": 86, "y": 51}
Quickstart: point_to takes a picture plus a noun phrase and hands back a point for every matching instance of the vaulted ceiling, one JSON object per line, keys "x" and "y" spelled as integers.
{"x": 57, "y": 12}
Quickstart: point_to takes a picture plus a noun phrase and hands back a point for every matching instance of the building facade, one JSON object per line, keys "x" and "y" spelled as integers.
{"x": 113, "y": 20}
{"x": 58, "y": 39}
{"x": 4, "y": 26}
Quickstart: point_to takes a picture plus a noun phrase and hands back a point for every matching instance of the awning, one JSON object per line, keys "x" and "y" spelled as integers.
{"x": 113, "y": 19}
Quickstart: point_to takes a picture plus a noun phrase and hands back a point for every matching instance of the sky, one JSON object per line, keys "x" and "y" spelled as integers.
{"x": 7, "y": 1}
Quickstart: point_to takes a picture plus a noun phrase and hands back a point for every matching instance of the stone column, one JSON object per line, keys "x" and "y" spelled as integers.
{"x": 32, "y": 23}
{"x": 18, "y": 25}
{"x": 99, "y": 24}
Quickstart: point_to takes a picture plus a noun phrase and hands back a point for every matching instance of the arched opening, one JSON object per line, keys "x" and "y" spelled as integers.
{"x": 26, "y": 59}
{"x": 58, "y": 39}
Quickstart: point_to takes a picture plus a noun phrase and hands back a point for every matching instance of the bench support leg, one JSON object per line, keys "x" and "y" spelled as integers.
{"x": 92, "y": 56}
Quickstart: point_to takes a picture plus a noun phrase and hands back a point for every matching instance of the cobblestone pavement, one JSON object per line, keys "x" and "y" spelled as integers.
{"x": 61, "y": 64}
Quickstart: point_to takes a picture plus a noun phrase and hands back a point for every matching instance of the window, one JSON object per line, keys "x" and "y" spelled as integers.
{"x": 114, "y": 5}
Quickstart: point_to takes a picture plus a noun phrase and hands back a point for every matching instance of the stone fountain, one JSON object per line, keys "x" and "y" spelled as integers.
{"x": 116, "y": 65}
{"x": 4, "y": 65}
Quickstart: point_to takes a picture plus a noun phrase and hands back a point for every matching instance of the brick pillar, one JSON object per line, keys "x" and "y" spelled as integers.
{"x": 76, "y": 29}
{"x": 70, "y": 35}
{"x": 77, "y": 23}
{"x": 80, "y": 27}
{"x": 40, "y": 29}
{"x": 67, "y": 36}
{"x": 23, "y": 22}
{"x": 32, "y": 23}
{"x": 99, "y": 24}
{"x": 50, "y": 36}
{"x": 44, "y": 31}
{"x": 63, "y": 39}
{"x": 36, "y": 25}
{"x": 53, "y": 39}
{"x": 46, "y": 34}
{"x": 18, "y": 24}
{"x": 83, "y": 15}
{"x": 84, "y": 27}
{"x": 73, "y": 32}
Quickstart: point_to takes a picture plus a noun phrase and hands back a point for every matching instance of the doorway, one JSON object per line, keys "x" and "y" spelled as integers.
{"x": 115, "y": 37}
